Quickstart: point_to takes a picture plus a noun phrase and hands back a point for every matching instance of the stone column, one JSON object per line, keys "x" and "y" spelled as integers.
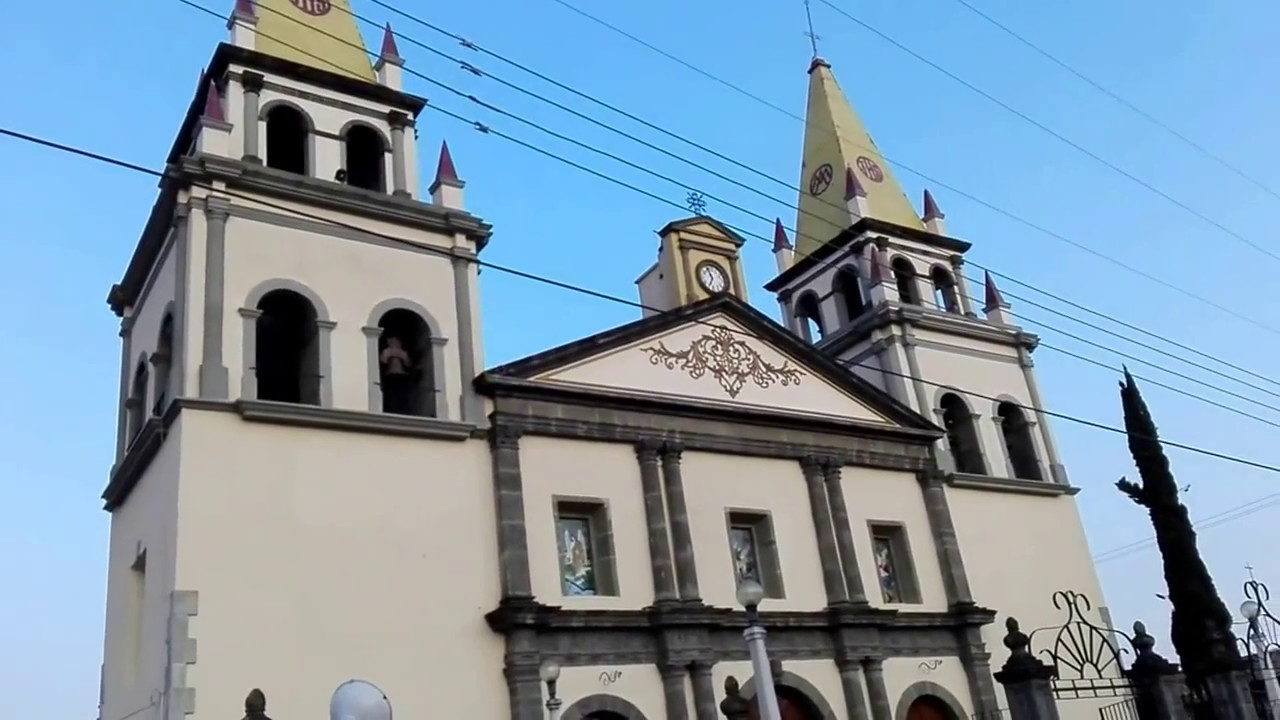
{"x": 704, "y": 692}
{"x": 853, "y": 683}
{"x": 1057, "y": 471}
{"x": 181, "y": 284}
{"x": 524, "y": 686}
{"x": 1026, "y": 680}
{"x": 399, "y": 177}
{"x": 962, "y": 285}
{"x": 464, "y": 304}
{"x": 844, "y": 532}
{"x": 913, "y": 367}
{"x": 977, "y": 665}
{"x": 678, "y": 514}
{"x": 677, "y": 705}
{"x": 828, "y": 555}
{"x": 513, "y": 547}
{"x": 126, "y": 385}
{"x": 664, "y": 587}
{"x": 876, "y": 692}
{"x": 213, "y": 373}
{"x": 251, "y": 83}
{"x": 954, "y": 578}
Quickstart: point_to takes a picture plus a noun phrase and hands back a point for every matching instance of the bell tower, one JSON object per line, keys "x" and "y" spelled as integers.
{"x": 300, "y": 330}
{"x": 698, "y": 257}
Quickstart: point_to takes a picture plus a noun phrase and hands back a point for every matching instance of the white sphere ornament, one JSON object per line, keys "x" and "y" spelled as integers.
{"x": 359, "y": 700}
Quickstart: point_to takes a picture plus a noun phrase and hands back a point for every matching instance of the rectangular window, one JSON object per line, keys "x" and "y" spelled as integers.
{"x": 753, "y": 551}
{"x": 895, "y": 571}
{"x": 584, "y": 545}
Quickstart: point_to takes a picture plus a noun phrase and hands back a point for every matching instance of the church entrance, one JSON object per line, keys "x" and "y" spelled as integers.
{"x": 928, "y": 707}
{"x": 792, "y": 705}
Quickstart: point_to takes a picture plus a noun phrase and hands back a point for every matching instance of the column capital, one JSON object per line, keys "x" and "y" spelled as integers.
{"x": 397, "y": 120}
{"x": 251, "y": 81}
{"x": 873, "y": 663}
{"x": 957, "y": 261}
{"x": 671, "y": 450}
{"x": 647, "y": 449}
{"x": 812, "y": 465}
{"x": 701, "y": 667}
{"x": 505, "y": 436}
{"x": 833, "y": 468}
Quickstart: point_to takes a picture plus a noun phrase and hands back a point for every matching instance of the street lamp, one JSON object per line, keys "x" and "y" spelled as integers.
{"x": 750, "y": 593}
{"x": 550, "y": 673}
{"x": 1251, "y": 611}
{"x": 359, "y": 700}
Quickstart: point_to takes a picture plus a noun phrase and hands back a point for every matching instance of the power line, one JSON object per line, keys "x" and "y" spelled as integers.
{"x": 1230, "y": 515}
{"x": 1118, "y": 98}
{"x": 99, "y": 157}
{"x": 933, "y": 181}
{"x": 1063, "y": 138}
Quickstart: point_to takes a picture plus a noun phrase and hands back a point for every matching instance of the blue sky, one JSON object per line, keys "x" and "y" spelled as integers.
{"x": 117, "y": 79}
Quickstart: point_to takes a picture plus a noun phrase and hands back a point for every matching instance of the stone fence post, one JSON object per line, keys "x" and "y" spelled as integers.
{"x": 1026, "y": 680}
{"x": 1158, "y": 685}
{"x": 255, "y": 706}
{"x": 734, "y": 706}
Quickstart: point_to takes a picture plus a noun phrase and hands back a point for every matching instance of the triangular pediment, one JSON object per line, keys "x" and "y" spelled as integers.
{"x": 718, "y": 353}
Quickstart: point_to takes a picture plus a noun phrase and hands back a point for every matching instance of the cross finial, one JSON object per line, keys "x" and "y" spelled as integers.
{"x": 1249, "y": 569}
{"x": 696, "y": 204}
{"x": 813, "y": 37}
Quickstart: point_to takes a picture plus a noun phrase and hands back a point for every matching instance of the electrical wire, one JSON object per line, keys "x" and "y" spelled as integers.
{"x": 1230, "y": 515}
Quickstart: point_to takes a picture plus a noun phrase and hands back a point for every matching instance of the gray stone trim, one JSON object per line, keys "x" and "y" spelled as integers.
{"x": 129, "y": 469}
{"x": 464, "y": 278}
{"x": 181, "y": 299}
{"x": 791, "y": 680}
{"x": 214, "y": 378}
{"x": 892, "y": 314}
{"x": 595, "y": 419}
{"x": 675, "y": 701}
{"x": 250, "y": 313}
{"x": 126, "y": 377}
{"x": 1010, "y": 485}
{"x": 664, "y": 586}
{"x": 923, "y": 688}
{"x": 307, "y": 120}
{"x": 439, "y": 378}
{"x": 955, "y": 580}
{"x": 399, "y": 162}
{"x": 829, "y": 557}
{"x": 1057, "y": 471}
{"x": 873, "y": 667}
{"x": 844, "y": 533}
{"x": 854, "y": 687}
{"x": 913, "y": 367}
{"x": 508, "y": 486}
{"x": 678, "y": 516}
{"x": 252, "y": 83}
{"x": 180, "y": 701}
{"x": 705, "y": 703}
{"x": 606, "y": 703}
{"x": 977, "y": 665}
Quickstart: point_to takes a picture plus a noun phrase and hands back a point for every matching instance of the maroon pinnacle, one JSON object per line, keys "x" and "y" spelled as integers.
{"x": 445, "y": 171}
{"x": 931, "y": 210}
{"x": 993, "y": 297}
{"x": 389, "y": 49}
{"x": 780, "y": 240}
{"x": 852, "y": 188}
{"x": 245, "y": 8}
{"x": 213, "y": 104}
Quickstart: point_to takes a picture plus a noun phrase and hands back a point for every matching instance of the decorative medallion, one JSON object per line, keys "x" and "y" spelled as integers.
{"x": 313, "y": 7}
{"x": 729, "y": 359}
{"x": 870, "y": 169}
{"x": 821, "y": 179}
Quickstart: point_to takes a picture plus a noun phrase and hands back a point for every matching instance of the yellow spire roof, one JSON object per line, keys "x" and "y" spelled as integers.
{"x": 835, "y": 140}
{"x": 319, "y": 33}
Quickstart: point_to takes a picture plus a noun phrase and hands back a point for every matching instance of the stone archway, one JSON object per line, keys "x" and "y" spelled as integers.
{"x": 602, "y": 707}
{"x": 798, "y": 699}
{"x": 926, "y": 700}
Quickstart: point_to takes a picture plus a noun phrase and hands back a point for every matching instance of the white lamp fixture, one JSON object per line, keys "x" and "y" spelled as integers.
{"x": 750, "y": 593}
{"x": 549, "y": 672}
{"x": 359, "y": 700}
{"x": 1249, "y": 610}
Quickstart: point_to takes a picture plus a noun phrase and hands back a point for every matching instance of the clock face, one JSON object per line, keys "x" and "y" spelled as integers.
{"x": 712, "y": 278}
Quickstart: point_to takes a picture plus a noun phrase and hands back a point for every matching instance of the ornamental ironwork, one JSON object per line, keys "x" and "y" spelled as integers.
{"x": 1085, "y": 657}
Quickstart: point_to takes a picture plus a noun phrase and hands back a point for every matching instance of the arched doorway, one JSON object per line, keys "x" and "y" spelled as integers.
{"x": 792, "y": 705}
{"x": 928, "y": 707}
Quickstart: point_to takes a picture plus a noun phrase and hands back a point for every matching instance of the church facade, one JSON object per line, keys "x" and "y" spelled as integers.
{"x": 316, "y": 478}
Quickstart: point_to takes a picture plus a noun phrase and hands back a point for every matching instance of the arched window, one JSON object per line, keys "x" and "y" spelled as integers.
{"x": 288, "y": 139}
{"x": 287, "y": 349}
{"x": 405, "y": 373}
{"x": 945, "y": 295}
{"x": 1018, "y": 442}
{"x": 962, "y": 435}
{"x": 365, "y": 155}
{"x": 136, "y": 405}
{"x": 904, "y": 274}
{"x": 810, "y": 317}
{"x": 162, "y": 359}
{"x": 850, "y": 292}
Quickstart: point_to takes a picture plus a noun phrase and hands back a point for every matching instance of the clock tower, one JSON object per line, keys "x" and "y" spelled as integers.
{"x": 698, "y": 257}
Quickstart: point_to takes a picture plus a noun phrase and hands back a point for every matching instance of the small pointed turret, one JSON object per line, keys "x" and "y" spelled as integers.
{"x": 243, "y": 24}
{"x": 214, "y": 132}
{"x": 446, "y": 190}
{"x": 783, "y": 252}
{"x": 995, "y": 307}
{"x": 933, "y": 215}
{"x": 855, "y": 196}
{"x": 389, "y": 66}
{"x": 213, "y": 104}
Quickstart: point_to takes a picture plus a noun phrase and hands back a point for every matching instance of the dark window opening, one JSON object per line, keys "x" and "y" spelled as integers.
{"x": 287, "y": 139}
{"x": 904, "y": 274}
{"x": 365, "y": 155}
{"x": 850, "y": 292}
{"x": 810, "y": 318}
{"x": 136, "y": 405}
{"x": 405, "y": 372}
{"x": 1018, "y": 442}
{"x": 287, "y": 361}
{"x": 162, "y": 359}
{"x": 605, "y": 715}
{"x": 945, "y": 295}
{"x": 962, "y": 435}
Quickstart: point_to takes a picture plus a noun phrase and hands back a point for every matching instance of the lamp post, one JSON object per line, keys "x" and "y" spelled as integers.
{"x": 1251, "y": 611}
{"x": 549, "y": 672}
{"x": 750, "y": 593}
